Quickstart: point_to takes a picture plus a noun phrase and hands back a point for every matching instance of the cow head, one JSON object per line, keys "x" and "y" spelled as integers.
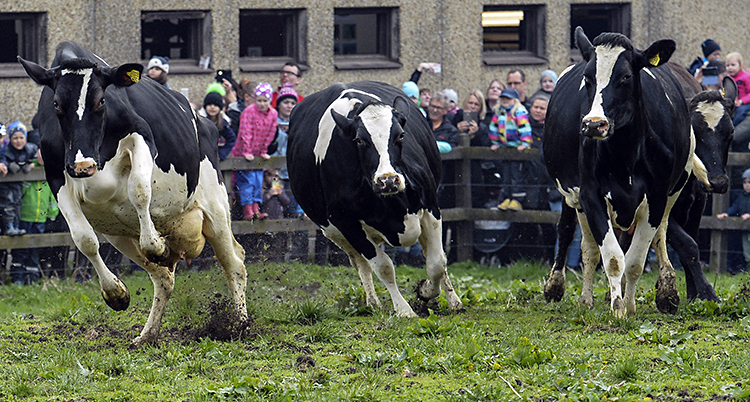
{"x": 378, "y": 132}
{"x": 79, "y": 86}
{"x": 710, "y": 114}
{"x": 612, "y": 79}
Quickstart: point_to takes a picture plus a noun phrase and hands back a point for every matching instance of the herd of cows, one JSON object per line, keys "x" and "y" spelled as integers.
{"x": 131, "y": 160}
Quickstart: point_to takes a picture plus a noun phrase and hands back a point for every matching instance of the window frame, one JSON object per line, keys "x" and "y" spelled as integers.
{"x": 535, "y": 30}
{"x": 622, "y": 22}
{"x": 389, "y": 28}
{"x": 34, "y": 43}
{"x": 297, "y": 42}
{"x": 201, "y": 44}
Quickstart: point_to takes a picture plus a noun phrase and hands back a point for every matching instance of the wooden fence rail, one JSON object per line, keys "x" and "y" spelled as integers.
{"x": 462, "y": 216}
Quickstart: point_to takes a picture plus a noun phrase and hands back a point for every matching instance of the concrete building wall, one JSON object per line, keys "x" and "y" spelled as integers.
{"x": 441, "y": 31}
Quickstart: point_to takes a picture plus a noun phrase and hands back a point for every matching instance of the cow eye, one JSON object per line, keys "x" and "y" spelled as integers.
{"x": 101, "y": 102}
{"x": 56, "y": 105}
{"x": 359, "y": 141}
{"x": 400, "y": 137}
{"x": 627, "y": 77}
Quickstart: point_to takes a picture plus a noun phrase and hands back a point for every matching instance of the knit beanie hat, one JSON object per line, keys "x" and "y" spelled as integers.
{"x": 452, "y": 95}
{"x": 264, "y": 89}
{"x": 161, "y": 62}
{"x": 17, "y": 126}
{"x": 411, "y": 89}
{"x": 287, "y": 91}
{"x": 746, "y": 174}
{"x": 551, "y": 74}
{"x": 213, "y": 98}
{"x": 709, "y": 46}
{"x": 216, "y": 87}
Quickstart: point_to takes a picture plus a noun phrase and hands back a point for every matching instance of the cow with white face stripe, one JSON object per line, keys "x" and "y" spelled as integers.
{"x": 129, "y": 159}
{"x": 364, "y": 166}
{"x": 625, "y": 121}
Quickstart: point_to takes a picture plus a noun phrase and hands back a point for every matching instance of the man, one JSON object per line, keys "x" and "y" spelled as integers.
{"x": 290, "y": 74}
{"x": 517, "y": 80}
{"x": 446, "y": 134}
{"x": 157, "y": 69}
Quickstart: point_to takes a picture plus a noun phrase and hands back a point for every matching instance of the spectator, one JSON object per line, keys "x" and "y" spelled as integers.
{"x": 721, "y": 70}
{"x": 736, "y": 70}
{"x": 158, "y": 70}
{"x": 245, "y": 97}
{"x": 446, "y": 134}
{"x": 286, "y": 102}
{"x": 257, "y": 129}
{"x": 424, "y": 100}
{"x": 290, "y": 74}
{"x": 19, "y": 156}
{"x": 711, "y": 51}
{"x": 510, "y": 128}
{"x": 411, "y": 90}
{"x": 547, "y": 83}
{"x": 517, "y": 80}
{"x": 38, "y": 205}
{"x": 452, "y": 100}
{"x": 741, "y": 207}
{"x": 275, "y": 199}
{"x": 213, "y": 106}
{"x": 469, "y": 120}
{"x": 493, "y": 96}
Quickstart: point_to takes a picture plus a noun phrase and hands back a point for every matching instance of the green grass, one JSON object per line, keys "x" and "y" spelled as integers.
{"x": 312, "y": 338}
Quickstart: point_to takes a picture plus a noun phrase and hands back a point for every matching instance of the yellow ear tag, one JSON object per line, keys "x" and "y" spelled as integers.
{"x": 655, "y": 60}
{"x": 723, "y": 93}
{"x": 133, "y": 75}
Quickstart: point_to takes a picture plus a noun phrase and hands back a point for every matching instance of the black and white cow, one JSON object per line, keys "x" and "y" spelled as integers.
{"x": 129, "y": 159}
{"x": 364, "y": 166}
{"x": 626, "y": 124}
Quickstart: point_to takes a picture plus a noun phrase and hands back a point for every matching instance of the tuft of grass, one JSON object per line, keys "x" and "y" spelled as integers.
{"x": 626, "y": 369}
{"x": 309, "y": 312}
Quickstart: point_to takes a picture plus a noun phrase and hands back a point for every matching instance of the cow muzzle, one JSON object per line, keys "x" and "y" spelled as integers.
{"x": 388, "y": 184}
{"x": 597, "y": 128}
{"x": 719, "y": 184}
{"x": 82, "y": 169}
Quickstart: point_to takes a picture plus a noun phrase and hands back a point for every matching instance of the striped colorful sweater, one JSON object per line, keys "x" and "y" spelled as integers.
{"x": 510, "y": 131}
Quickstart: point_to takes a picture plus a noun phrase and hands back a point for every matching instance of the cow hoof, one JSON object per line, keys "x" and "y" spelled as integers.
{"x": 587, "y": 302}
{"x": 554, "y": 289}
{"x": 708, "y": 295}
{"x": 667, "y": 299}
{"x": 426, "y": 290}
{"x": 143, "y": 339}
{"x": 618, "y": 307}
{"x": 160, "y": 259}
{"x": 118, "y": 303}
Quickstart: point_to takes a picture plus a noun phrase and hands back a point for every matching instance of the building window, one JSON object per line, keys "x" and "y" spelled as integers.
{"x": 182, "y": 36}
{"x": 513, "y": 35}
{"x": 23, "y": 34}
{"x": 595, "y": 19}
{"x": 365, "y": 38}
{"x": 270, "y": 38}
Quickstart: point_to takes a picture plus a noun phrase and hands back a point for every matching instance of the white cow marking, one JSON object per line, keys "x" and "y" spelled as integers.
{"x": 567, "y": 69}
{"x": 606, "y": 57}
{"x": 86, "y": 73}
{"x": 83, "y": 159}
{"x": 571, "y": 195}
{"x": 326, "y": 125}
{"x": 649, "y": 72}
{"x": 712, "y": 112}
{"x": 378, "y": 121}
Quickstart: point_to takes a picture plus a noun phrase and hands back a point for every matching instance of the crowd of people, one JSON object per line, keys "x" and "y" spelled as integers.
{"x": 253, "y": 119}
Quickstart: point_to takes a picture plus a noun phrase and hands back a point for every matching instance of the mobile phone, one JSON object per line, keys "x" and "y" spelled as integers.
{"x": 223, "y": 75}
{"x": 710, "y": 75}
{"x": 437, "y": 69}
{"x": 470, "y": 116}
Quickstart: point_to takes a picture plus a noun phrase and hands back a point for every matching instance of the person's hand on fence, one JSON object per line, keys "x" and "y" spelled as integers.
{"x": 721, "y": 216}
{"x": 745, "y": 217}
{"x": 3, "y": 169}
{"x": 14, "y": 167}
{"x": 249, "y": 157}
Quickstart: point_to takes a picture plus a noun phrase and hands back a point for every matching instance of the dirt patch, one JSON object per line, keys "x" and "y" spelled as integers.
{"x": 221, "y": 323}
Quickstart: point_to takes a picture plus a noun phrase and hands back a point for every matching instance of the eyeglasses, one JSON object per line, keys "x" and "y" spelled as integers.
{"x": 289, "y": 73}
{"x": 437, "y": 107}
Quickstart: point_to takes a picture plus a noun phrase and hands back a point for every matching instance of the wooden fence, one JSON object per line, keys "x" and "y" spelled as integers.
{"x": 463, "y": 215}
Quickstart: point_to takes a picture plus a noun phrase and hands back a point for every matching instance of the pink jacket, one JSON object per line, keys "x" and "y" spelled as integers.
{"x": 257, "y": 129}
{"x": 743, "y": 85}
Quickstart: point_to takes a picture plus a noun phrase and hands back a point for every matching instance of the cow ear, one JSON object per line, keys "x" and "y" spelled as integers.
{"x": 402, "y": 108}
{"x": 730, "y": 89}
{"x": 124, "y": 75}
{"x": 39, "y": 74}
{"x": 343, "y": 122}
{"x": 583, "y": 44}
{"x": 659, "y": 52}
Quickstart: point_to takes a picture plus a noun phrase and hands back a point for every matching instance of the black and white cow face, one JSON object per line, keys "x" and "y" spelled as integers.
{"x": 79, "y": 102}
{"x": 710, "y": 114}
{"x": 377, "y": 130}
{"x": 612, "y": 80}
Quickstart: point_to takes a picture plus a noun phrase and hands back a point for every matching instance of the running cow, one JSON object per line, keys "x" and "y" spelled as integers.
{"x": 364, "y": 166}
{"x": 129, "y": 159}
{"x": 620, "y": 149}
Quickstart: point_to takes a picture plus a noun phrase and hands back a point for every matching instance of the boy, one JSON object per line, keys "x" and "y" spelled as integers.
{"x": 18, "y": 156}
{"x": 741, "y": 207}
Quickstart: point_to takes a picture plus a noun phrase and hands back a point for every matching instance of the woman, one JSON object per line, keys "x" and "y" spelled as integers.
{"x": 493, "y": 96}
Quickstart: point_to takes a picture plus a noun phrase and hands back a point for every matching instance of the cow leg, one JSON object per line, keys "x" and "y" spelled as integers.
{"x": 383, "y": 267}
{"x": 139, "y": 193}
{"x": 365, "y": 275}
{"x": 682, "y": 239}
{"x": 635, "y": 258}
{"x": 613, "y": 260}
{"x": 667, "y": 299}
{"x": 554, "y": 289}
{"x": 163, "y": 281}
{"x": 590, "y": 256}
{"x": 114, "y": 291}
{"x": 432, "y": 245}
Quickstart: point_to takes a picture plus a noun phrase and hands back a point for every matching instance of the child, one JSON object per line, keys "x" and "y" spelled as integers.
{"x": 213, "y": 104}
{"x": 736, "y": 70}
{"x": 257, "y": 129}
{"x": 275, "y": 200}
{"x": 741, "y": 207}
{"x": 510, "y": 128}
{"x": 18, "y": 156}
{"x": 38, "y": 205}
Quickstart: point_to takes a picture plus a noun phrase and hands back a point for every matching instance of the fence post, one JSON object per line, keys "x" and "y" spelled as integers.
{"x": 718, "y": 260}
{"x": 464, "y": 229}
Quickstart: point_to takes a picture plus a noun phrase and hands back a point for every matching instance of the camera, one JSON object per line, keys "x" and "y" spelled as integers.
{"x": 223, "y": 75}
{"x": 710, "y": 75}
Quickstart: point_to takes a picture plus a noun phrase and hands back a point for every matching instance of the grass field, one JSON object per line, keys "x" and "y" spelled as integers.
{"x": 311, "y": 338}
